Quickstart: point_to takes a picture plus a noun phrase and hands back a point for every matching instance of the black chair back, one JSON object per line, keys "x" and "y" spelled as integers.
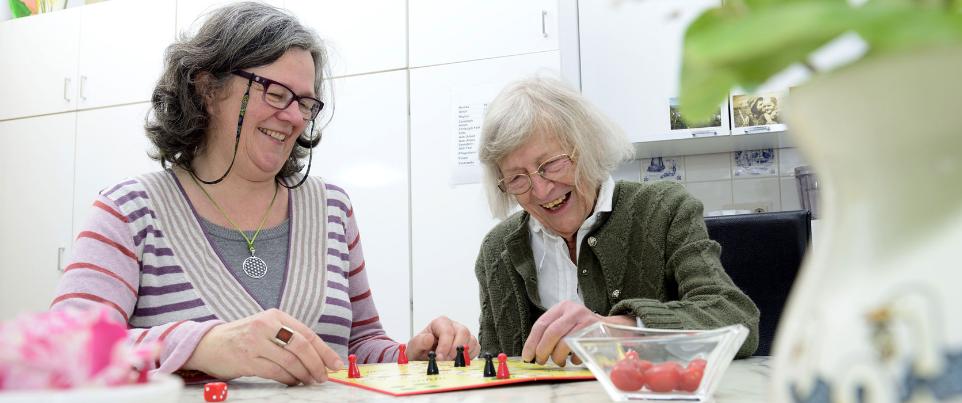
{"x": 762, "y": 253}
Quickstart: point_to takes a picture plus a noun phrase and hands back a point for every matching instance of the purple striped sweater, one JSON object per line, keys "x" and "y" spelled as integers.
{"x": 143, "y": 253}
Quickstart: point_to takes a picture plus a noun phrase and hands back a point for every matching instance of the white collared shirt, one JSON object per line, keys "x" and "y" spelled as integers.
{"x": 557, "y": 274}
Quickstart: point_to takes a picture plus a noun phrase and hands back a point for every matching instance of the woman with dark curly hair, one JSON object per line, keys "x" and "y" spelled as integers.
{"x": 232, "y": 256}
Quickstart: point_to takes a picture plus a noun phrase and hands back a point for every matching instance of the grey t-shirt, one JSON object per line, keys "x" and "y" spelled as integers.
{"x": 271, "y": 246}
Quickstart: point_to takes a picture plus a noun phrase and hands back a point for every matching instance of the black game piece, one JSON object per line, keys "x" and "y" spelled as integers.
{"x": 489, "y": 371}
{"x": 432, "y": 364}
{"x": 459, "y": 358}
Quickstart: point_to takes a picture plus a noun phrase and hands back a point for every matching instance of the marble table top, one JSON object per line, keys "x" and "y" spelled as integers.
{"x": 746, "y": 381}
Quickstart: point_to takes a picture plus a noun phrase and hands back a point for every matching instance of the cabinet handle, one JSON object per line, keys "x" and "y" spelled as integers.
{"x": 83, "y": 82}
{"x": 758, "y": 129}
{"x": 66, "y": 89}
{"x": 704, "y": 133}
{"x": 60, "y": 252}
{"x": 544, "y": 23}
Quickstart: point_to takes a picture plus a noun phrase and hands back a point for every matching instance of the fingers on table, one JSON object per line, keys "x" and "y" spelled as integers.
{"x": 528, "y": 352}
{"x": 268, "y": 369}
{"x": 297, "y": 358}
{"x": 446, "y": 333}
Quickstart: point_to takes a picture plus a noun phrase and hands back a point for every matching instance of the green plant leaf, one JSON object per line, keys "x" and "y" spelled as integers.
{"x": 745, "y": 42}
{"x": 18, "y": 9}
{"x": 901, "y": 29}
{"x": 745, "y": 49}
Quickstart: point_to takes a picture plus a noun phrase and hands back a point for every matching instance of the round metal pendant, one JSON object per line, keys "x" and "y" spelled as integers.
{"x": 255, "y": 267}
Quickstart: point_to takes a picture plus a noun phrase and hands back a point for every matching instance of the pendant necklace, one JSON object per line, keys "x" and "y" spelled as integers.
{"x": 254, "y": 267}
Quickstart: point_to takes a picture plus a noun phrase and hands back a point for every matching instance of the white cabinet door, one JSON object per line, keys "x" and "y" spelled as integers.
{"x": 111, "y": 146}
{"x": 362, "y": 36}
{"x": 448, "y": 221}
{"x": 122, "y": 45}
{"x": 39, "y": 64}
{"x": 365, "y": 151}
{"x": 447, "y": 31}
{"x": 631, "y": 63}
{"x": 36, "y": 158}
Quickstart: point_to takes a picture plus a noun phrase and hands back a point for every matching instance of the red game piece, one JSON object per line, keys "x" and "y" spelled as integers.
{"x": 215, "y": 392}
{"x": 467, "y": 356}
{"x": 503, "y": 372}
{"x": 352, "y": 370}
{"x": 402, "y": 355}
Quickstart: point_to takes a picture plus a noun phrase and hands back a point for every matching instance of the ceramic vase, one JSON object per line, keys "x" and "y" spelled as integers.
{"x": 874, "y": 313}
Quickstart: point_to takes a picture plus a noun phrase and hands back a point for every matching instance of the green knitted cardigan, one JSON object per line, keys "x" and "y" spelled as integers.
{"x": 650, "y": 257}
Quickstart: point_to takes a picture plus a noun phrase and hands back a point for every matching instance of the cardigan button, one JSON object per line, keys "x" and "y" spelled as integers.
{"x": 616, "y": 293}
{"x": 592, "y": 241}
{"x": 585, "y": 272}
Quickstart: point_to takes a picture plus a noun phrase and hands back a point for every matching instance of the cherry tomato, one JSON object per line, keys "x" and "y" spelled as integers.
{"x": 663, "y": 377}
{"x": 697, "y": 363}
{"x": 690, "y": 379}
{"x": 626, "y": 377}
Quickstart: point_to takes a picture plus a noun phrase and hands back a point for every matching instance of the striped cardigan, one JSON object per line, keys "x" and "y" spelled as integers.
{"x": 143, "y": 253}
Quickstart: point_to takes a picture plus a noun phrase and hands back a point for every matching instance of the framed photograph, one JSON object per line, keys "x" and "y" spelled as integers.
{"x": 715, "y": 126}
{"x": 757, "y": 113}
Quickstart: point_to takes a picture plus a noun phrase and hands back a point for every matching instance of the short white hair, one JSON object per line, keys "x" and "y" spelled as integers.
{"x": 547, "y": 105}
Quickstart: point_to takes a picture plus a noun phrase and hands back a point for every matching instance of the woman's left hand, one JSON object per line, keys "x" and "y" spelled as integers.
{"x": 547, "y": 334}
{"x": 442, "y": 336}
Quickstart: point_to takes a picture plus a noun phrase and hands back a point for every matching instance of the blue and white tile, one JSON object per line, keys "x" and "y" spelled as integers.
{"x": 663, "y": 169}
{"x": 757, "y": 193}
{"x": 628, "y": 170}
{"x": 788, "y": 160}
{"x": 714, "y": 195}
{"x": 708, "y": 167}
{"x": 754, "y": 163}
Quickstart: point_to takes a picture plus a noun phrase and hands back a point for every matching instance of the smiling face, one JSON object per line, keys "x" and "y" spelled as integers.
{"x": 556, "y": 204}
{"x": 268, "y": 134}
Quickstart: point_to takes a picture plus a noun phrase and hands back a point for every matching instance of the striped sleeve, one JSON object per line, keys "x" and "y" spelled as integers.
{"x": 105, "y": 269}
{"x": 368, "y": 340}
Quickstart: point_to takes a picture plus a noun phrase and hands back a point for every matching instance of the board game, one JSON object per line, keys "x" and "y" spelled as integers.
{"x": 411, "y": 379}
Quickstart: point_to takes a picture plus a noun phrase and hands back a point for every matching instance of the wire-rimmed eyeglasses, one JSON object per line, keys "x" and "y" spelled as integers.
{"x": 553, "y": 168}
{"x": 280, "y": 96}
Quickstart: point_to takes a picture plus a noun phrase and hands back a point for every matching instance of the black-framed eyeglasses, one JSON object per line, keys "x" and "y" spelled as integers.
{"x": 552, "y": 169}
{"x": 280, "y": 96}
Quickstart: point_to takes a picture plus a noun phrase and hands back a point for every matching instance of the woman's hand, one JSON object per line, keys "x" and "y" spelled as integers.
{"x": 442, "y": 336}
{"x": 245, "y": 348}
{"x": 547, "y": 334}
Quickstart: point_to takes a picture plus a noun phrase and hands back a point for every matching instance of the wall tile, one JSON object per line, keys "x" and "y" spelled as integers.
{"x": 715, "y": 195}
{"x": 708, "y": 167}
{"x": 789, "y": 188}
{"x": 755, "y": 193}
{"x": 663, "y": 168}
{"x": 628, "y": 170}
{"x": 788, "y": 159}
{"x": 754, "y": 163}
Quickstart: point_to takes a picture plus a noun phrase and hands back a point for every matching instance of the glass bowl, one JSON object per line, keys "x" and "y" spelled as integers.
{"x": 655, "y": 364}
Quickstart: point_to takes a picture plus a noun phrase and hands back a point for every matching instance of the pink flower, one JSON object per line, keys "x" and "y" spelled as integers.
{"x": 68, "y": 349}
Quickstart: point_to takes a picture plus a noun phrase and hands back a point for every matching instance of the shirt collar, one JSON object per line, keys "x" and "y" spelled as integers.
{"x": 602, "y": 205}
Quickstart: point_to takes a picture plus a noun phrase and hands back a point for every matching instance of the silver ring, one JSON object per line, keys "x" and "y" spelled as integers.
{"x": 283, "y": 336}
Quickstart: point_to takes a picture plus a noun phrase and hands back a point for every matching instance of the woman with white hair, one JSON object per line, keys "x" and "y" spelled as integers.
{"x": 584, "y": 248}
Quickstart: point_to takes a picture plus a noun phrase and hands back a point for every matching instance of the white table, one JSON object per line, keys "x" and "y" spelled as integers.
{"x": 746, "y": 381}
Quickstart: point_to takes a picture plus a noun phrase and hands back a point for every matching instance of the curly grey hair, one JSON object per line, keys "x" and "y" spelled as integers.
{"x": 547, "y": 105}
{"x": 234, "y": 37}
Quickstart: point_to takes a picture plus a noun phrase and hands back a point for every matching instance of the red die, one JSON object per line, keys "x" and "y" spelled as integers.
{"x": 215, "y": 392}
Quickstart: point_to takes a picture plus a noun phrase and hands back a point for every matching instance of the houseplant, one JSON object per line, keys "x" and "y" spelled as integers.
{"x": 869, "y": 317}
